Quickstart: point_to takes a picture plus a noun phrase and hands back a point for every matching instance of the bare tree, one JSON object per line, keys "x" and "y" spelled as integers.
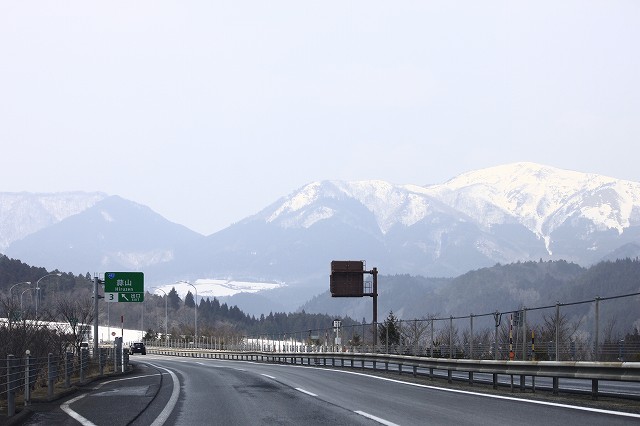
{"x": 76, "y": 317}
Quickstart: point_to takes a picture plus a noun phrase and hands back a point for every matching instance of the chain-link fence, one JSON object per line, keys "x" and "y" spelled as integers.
{"x": 589, "y": 330}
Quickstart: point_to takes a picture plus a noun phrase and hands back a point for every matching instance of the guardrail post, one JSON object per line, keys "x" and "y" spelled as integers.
{"x": 431, "y": 344}
{"x": 51, "y": 367}
{"x": 524, "y": 334}
{"x": 11, "y": 390}
{"x": 596, "y": 346}
{"x": 101, "y": 360}
{"x": 594, "y": 389}
{"x": 557, "y": 331}
{"x": 68, "y": 369}
{"x": 82, "y": 366}
{"x": 471, "y": 337}
{"x": 28, "y": 367}
{"x": 450, "y": 338}
{"x": 556, "y": 384}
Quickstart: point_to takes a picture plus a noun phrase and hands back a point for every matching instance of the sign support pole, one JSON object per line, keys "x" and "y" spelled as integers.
{"x": 95, "y": 316}
{"x": 375, "y": 306}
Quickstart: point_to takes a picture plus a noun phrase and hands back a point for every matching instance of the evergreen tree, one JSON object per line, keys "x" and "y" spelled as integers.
{"x": 389, "y": 331}
{"x": 174, "y": 299}
{"x": 189, "y": 300}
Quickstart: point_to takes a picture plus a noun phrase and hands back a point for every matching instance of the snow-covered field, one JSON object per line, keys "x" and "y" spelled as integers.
{"x": 214, "y": 288}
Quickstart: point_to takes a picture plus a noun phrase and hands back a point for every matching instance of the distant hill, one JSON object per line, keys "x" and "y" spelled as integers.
{"x": 112, "y": 234}
{"x": 521, "y": 212}
{"x": 503, "y": 288}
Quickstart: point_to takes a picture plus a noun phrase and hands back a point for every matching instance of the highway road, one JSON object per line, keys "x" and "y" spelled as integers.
{"x": 185, "y": 391}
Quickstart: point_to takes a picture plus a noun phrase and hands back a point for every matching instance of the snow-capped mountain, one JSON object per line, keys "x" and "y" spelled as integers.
{"x": 520, "y": 211}
{"x": 542, "y": 199}
{"x": 23, "y": 213}
{"x": 503, "y": 214}
{"x": 112, "y": 234}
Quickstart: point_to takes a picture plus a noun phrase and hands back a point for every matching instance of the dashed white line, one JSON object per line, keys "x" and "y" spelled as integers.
{"x": 266, "y": 375}
{"x": 305, "y": 392}
{"x": 377, "y": 419}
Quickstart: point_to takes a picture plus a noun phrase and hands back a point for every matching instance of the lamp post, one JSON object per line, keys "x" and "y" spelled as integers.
{"x": 195, "y": 337}
{"x": 166, "y": 299}
{"x": 38, "y": 288}
{"x": 11, "y": 288}
{"x": 21, "y": 294}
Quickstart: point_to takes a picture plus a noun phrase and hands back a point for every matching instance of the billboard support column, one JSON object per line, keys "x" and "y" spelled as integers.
{"x": 95, "y": 315}
{"x": 375, "y": 306}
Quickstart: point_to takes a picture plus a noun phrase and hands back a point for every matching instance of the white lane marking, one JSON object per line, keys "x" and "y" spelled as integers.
{"x": 211, "y": 365}
{"x": 86, "y": 422}
{"x": 305, "y": 392}
{"x": 530, "y": 401}
{"x": 266, "y": 375}
{"x": 65, "y": 407}
{"x": 377, "y": 419}
{"x": 166, "y": 412}
{"x": 99, "y": 385}
{"x": 485, "y": 395}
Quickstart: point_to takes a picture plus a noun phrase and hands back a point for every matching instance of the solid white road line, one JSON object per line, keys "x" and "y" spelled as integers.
{"x": 305, "y": 392}
{"x": 166, "y": 412}
{"x": 377, "y": 419}
{"x": 65, "y": 407}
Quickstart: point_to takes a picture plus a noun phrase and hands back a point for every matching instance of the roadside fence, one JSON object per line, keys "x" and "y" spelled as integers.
{"x": 25, "y": 379}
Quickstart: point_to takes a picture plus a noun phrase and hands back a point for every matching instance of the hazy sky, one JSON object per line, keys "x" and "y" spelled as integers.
{"x": 208, "y": 111}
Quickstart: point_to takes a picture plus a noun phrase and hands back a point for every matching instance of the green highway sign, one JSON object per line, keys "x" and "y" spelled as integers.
{"x": 124, "y": 286}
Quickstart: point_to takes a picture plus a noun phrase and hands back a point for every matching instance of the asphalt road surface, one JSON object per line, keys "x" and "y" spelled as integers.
{"x": 184, "y": 391}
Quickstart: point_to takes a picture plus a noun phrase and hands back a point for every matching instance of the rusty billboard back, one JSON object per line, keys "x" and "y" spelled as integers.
{"x": 347, "y": 266}
{"x": 347, "y": 278}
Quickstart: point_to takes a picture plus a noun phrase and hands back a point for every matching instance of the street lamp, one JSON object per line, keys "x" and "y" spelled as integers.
{"x": 23, "y": 282}
{"x": 166, "y": 299}
{"x": 21, "y": 294}
{"x": 195, "y": 337}
{"x": 38, "y": 288}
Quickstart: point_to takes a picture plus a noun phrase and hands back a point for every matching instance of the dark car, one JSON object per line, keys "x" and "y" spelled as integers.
{"x": 138, "y": 347}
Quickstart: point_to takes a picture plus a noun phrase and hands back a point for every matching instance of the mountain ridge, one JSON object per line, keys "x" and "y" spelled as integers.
{"x": 532, "y": 212}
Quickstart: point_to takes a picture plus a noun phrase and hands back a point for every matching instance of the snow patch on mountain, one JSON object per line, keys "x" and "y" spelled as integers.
{"x": 23, "y": 213}
{"x": 106, "y": 216}
{"x": 390, "y": 204}
{"x": 136, "y": 260}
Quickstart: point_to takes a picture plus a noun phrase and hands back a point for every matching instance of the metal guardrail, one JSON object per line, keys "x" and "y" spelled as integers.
{"x": 594, "y": 371}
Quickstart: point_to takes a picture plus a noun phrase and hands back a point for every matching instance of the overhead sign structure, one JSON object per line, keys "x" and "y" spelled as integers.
{"x": 124, "y": 286}
{"x": 347, "y": 278}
